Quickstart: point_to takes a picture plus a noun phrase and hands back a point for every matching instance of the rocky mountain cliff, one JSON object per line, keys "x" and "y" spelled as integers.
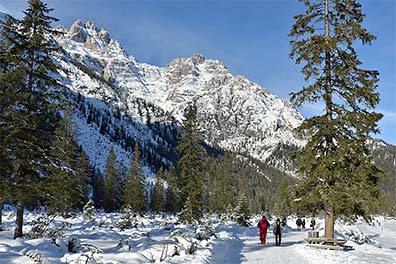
{"x": 141, "y": 101}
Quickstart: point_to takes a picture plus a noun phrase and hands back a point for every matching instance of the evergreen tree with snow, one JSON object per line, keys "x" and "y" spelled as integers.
{"x": 172, "y": 201}
{"x": 158, "y": 195}
{"x": 337, "y": 174}
{"x": 127, "y": 219}
{"x": 112, "y": 184}
{"x": 97, "y": 188}
{"x": 187, "y": 212}
{"x": 282, "y": 202}
{"x": 134, "y": 188}
{"x": 70, "y": 167}
{"x": 190, "y": 165}
{"x": 221, "y": 184}
{"x": 28, "y": 115}
{"x": 89, "y": 210}
{"x": 242, "y": 211}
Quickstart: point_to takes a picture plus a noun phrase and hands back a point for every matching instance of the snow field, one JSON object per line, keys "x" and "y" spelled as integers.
{"x": 161, "y": 239}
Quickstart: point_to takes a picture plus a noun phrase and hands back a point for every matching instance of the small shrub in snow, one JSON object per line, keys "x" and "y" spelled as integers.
{"x": 87, "y": 259}
{"x": 36, "y": 257}
{"x": 204, "y": 233}
{"x": 176, "y": 251}
{"x": 127, "y": 220}
{"x": 89, "y": 248}
{"x": 358, "y": 237}
{"x": 39, "y": 227}
{"x": 125, "y": 243}
{"x": 44, "y": 227}
{"x": 73, "y": 244}
{"x": 192, "y": 248}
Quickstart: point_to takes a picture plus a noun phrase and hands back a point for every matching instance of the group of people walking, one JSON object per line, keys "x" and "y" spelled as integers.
{"x": 301, "y": 224}
{"x": 263, "y": 226}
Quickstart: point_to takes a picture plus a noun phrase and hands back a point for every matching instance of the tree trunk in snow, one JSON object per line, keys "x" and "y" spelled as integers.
{"x": 19, "y": 219}
{"x": 1, "y": 212}
{"x": 329, "y": 223}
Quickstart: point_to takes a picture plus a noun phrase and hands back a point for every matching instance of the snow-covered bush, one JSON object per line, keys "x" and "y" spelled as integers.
{"x": 125, "y": 244}
{"x": 192, "y": 248}
{"x": 89, "y": 211}
{"x": 87, "y": 251}
{"x": 205, "y": 232}
{"x": 36, "y": 257}
{"x": 73, "y": 244}
{"x": 86, "y": 259}
{"x": 44, "y": 227}
{"x": 127, "y": 220}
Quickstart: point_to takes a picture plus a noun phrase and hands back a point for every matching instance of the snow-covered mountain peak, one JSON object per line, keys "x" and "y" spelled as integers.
{"x": 91, "y": 37}
{"x": 234, "y": 113}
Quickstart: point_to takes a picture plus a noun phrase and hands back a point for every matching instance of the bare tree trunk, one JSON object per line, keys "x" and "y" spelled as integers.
{"x": 329, "y": 223}
{"x": 1, "y": 212}
{"x": 19, "y": 219}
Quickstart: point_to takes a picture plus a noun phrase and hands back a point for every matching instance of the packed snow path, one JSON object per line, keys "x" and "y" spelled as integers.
{"x": 244, "y": 247}
{"x": 241, "y": 245}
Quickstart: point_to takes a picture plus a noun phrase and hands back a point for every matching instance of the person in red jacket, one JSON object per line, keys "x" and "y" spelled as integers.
{"x": 263, "y": 225}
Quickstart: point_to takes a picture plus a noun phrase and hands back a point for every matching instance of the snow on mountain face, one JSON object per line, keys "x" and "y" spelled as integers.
{"x": 234, "y": 113}
{"x": 3, "y": 16}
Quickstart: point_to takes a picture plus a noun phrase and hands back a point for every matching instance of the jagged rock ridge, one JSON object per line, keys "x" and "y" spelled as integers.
{"x": 234, "y": 113}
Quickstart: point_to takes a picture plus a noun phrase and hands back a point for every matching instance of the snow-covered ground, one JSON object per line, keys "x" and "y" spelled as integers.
{"x": 370, "y": 244}
{"x": 156, "y": 239}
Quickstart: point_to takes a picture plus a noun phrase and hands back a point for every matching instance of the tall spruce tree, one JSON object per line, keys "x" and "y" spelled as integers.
{"x": 112, "y": 184}
{"x": 190, "y": 165}
{"x": 221, "y": 183}
{"x": 282, "y": 203}
{"x": 134, "y": 191}
{"x": 97, "y": 188}
{"x": 337, "y": 174}
{"x": 158, "y": 196}
{"x": 172, "y": 201}
{"x": 31, "y": 91}
{"x": 242, "y": 210}
{"x": 8, "y": 79}
{"x": 70, "y": 167}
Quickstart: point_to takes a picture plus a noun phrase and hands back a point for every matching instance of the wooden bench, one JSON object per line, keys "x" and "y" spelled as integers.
{"x": 326, "y": 243}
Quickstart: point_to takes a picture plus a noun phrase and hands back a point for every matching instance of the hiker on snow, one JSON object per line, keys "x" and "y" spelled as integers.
{"x": 303, "y": 224}
{"x": 278, "y": 229}
{"x": 313, "y": 223}
{"x": 263, "y": 225}
{"x": 299, "y": 223}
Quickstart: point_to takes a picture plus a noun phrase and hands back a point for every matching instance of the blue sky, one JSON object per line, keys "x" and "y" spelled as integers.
{"x": 250, "y": 37}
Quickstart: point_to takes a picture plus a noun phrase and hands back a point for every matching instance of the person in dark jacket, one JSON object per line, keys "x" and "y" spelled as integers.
{"x": 313, "y": 223}
{"x": 299, "y": 223}
{"x": 263, "y": 225}
{"x": 303, "y": 224}
{"x": 278, "y": 229}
